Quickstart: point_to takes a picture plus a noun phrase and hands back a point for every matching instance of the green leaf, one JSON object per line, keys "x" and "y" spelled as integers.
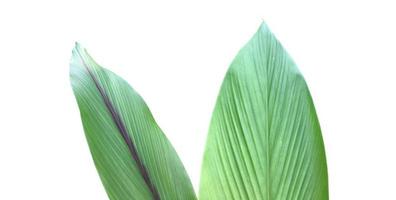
{"x": 132, "y": 155}
{"x": 264, "y": 139}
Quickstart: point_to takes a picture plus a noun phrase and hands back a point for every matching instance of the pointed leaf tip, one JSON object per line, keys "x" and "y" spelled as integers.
{"x": 264, "y": 26}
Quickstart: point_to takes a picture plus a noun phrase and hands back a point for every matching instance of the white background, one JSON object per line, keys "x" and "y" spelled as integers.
{"x": 175, "y": 54}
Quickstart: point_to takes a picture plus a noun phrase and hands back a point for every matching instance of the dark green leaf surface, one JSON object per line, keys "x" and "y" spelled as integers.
{"x": 132, "y": 155}
{"x": 264, "y": 139}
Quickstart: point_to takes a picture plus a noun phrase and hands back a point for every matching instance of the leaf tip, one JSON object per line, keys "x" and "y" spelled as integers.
{"x": 264, "y": 27}
{"x": 76, "y": 44}
{"x": 77, "y": 48}
{"x": 76, "y": 60}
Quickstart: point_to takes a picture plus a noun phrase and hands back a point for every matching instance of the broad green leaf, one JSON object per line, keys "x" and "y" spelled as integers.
{"x": 133, "y": 157}
{"x": 264, "y": 139}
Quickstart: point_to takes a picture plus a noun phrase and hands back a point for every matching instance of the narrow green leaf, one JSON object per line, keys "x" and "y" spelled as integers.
{"x": 264, "y": 139}
{"x": 133, "y": 157}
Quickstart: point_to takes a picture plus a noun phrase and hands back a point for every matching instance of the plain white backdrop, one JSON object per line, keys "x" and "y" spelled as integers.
{"x": 175, "y": 54}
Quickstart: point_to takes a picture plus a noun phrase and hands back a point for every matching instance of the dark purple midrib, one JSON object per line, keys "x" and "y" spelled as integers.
{"x": 124, "y": 133}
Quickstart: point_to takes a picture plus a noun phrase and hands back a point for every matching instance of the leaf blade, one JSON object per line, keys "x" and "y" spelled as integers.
{"x": 264, "y": 139}
{"x": 132, "y": 155}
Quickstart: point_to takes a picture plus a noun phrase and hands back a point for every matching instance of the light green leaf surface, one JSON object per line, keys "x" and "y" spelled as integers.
{"x": 100, "y": 92}
{"x": 264, "y": 139}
